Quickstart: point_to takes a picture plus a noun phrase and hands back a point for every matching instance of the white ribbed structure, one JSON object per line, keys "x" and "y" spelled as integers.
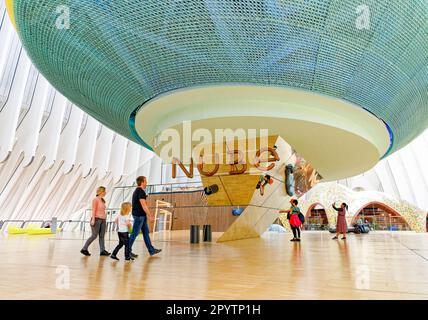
{"x": 403, "y": 175}
{"x": 52, "y": 155}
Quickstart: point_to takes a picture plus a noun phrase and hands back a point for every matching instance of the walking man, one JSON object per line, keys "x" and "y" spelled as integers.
{"x": 140, "y": 212}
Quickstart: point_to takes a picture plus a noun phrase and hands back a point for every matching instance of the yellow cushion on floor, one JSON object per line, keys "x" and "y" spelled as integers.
{"x": 36, "y": 231}
{"x": 15, "y": 230}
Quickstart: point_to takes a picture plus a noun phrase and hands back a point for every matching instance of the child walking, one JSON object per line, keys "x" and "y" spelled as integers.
{"x": 124, "y": 223}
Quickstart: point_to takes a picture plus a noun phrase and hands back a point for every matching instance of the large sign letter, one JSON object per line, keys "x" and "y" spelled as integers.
{"x": 208, "y": 173}
{"x": 274, "y": 158}
{"x": 175, "y": 161}
{"x": 241, "y": 160}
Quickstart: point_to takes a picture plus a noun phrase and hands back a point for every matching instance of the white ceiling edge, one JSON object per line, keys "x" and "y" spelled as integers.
{"x": 339, "y": 139}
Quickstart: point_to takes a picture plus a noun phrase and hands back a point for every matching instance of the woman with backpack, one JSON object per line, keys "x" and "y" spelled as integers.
{"x": 295, "y": 218}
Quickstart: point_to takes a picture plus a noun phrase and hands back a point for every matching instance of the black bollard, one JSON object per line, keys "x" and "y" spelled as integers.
{"x": 194, "y": 234}
{"x": 207, "y": 233}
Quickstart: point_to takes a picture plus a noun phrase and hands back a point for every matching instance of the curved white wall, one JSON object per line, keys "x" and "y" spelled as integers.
{"x": 404, "y": 174}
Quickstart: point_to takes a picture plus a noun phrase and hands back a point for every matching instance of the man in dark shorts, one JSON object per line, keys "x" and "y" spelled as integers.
{"x": 140, "y": 212}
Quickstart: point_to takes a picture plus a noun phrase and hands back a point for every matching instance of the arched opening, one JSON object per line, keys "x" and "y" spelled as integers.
{"x": 380, "y": 217}
{"x": 316, "y": 218}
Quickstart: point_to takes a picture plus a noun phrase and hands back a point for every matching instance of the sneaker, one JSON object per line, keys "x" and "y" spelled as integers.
{"x": 335, "y": 238}
{"x": 133, "y": 255}
{"x": 155, "y": 252}
{"x": 105, "y": 253}
{"x": 298, "y": 239}
{"x": 129, "y": 259}
{"x": 85, "y": 252}
{"x": 344, "y": 238}
{"x": 114, "y": 257}
{"x": 294, "y": 239}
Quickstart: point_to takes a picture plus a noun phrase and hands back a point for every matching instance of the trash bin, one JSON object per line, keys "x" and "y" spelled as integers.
{"x": 207, "y": 234}
{"x": 194, "y": 234}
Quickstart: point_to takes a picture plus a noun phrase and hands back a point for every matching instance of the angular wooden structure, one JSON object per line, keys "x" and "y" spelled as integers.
{"x": 240, "y": 189}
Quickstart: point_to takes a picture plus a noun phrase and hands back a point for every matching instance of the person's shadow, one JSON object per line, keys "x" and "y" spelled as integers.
{"x": 142, "y": 284}
{"x": 95, "y": 279}
{"x": 345, "y": 260}
{"x": 123, "y": 284}
{"x": 296, "y": 255}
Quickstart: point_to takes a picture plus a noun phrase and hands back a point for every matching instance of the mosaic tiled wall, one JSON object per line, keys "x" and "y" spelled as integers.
{"x": 119, "y": 54}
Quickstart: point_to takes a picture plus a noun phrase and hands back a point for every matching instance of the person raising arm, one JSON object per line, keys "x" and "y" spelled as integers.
{"x": 341, "y": 225}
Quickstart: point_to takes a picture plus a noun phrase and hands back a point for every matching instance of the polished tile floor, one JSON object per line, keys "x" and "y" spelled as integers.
{"x": 379, "y": 265}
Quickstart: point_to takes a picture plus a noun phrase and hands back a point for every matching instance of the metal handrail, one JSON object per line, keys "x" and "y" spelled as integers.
{"x": 23, "y": 222}
{"x": 199, "y": 184}
{"x": 27, "y": 221}
{"x": 62, "y": 223}
{"x": 7, "y": 221}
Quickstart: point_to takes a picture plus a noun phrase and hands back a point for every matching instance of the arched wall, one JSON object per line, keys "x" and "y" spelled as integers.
{"x": 308, "y": 211}
{"x": 379, "y": 205}
{"x": 324, "y": 217}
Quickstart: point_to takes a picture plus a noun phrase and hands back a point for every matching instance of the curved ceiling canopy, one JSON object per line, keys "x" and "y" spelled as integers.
{"x": 347, "y": 71}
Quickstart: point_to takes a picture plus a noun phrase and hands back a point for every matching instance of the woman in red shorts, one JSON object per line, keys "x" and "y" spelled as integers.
{"x": 294, "y": 220}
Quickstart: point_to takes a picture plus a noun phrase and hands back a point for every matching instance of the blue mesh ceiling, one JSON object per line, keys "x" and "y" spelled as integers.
{"x": 119, "y": 54}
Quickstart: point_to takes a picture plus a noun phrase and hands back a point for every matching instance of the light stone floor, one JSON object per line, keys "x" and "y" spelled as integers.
{"x": 379, "y": 265}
